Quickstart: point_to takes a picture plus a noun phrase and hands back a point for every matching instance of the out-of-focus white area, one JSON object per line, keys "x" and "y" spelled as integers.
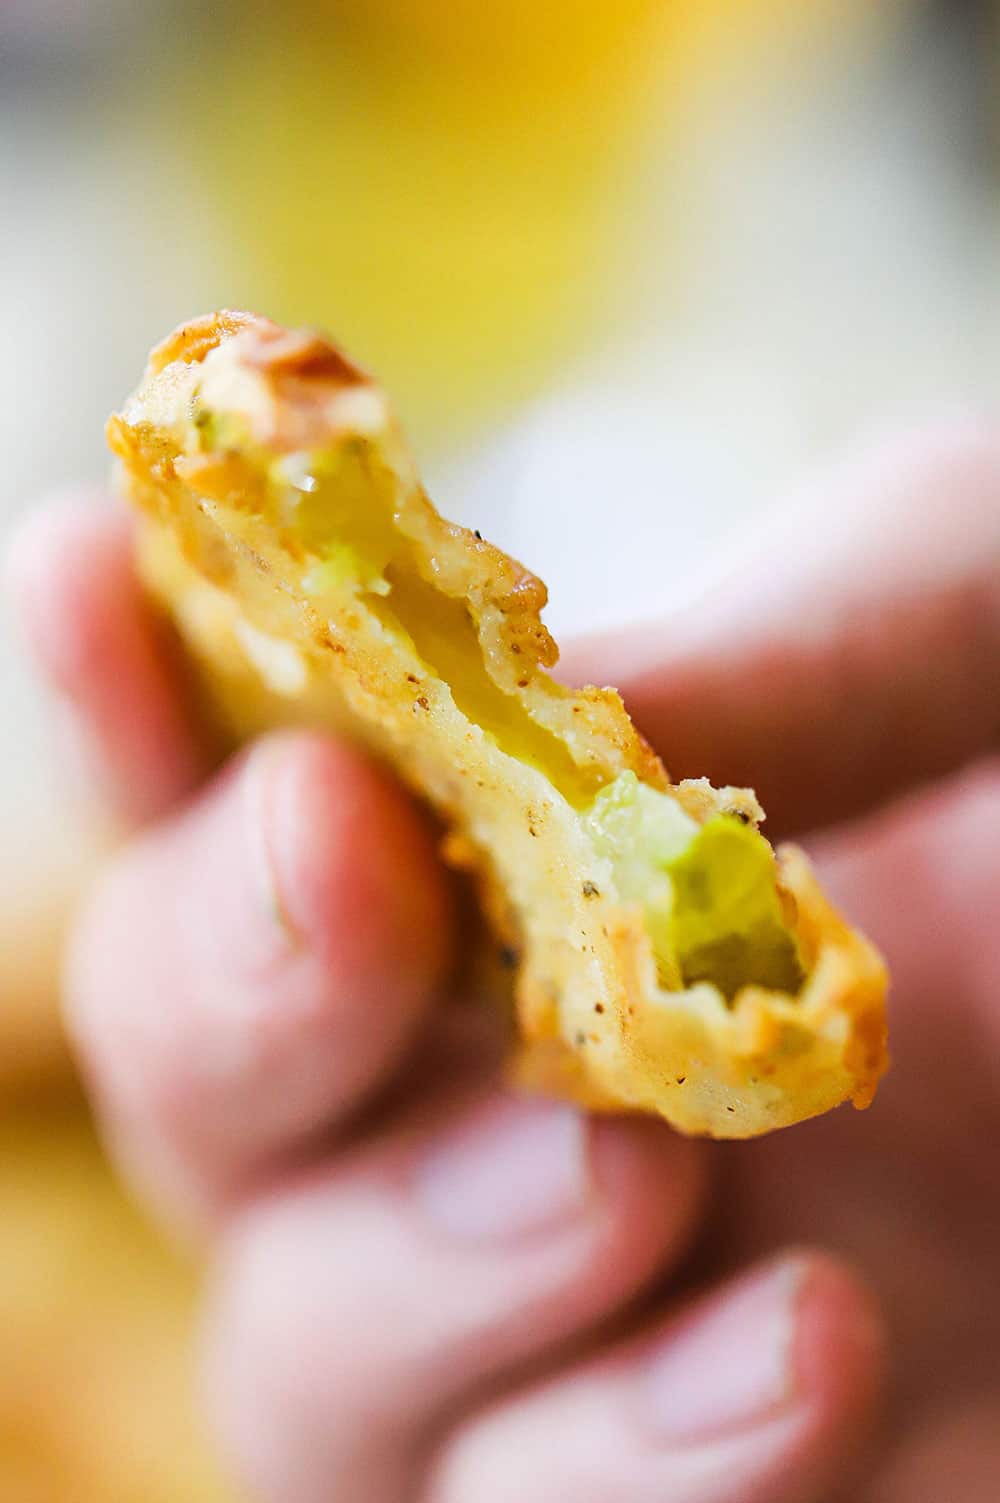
{"x": 843, "y": 277}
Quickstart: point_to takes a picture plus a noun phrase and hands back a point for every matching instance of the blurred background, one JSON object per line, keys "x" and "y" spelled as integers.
{"x": 630, "y": 271}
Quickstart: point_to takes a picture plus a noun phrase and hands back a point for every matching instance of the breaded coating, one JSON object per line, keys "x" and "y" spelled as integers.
{"x": 285, "y": 529}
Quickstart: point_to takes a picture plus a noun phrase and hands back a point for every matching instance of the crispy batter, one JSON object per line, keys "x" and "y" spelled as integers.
{"x": 438, "y": 663}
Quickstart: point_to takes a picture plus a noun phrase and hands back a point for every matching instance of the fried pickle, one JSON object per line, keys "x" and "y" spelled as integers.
{"x": 665, "y": 958}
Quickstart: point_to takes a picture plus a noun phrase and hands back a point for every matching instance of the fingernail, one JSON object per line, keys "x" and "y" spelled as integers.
{"x": 234, "y": 896}
{"x": 513, "y": 1169}
{"x": 728, "y": 1366}
{"x": 272, "y": 795}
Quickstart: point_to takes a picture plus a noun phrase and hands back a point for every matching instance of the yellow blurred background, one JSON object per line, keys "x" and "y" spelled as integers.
{"x": 644, "y": 262}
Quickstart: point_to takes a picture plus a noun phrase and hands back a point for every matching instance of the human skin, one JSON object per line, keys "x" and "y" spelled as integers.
{"x": 425, "y": 1289}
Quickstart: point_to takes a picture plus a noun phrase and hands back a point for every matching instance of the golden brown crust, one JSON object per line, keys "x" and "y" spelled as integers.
{"x": 192, "y": 341}
{"x": 444, "y": 674}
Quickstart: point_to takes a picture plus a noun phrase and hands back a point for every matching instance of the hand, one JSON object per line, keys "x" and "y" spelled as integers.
{"x": 424, "y": 1289}
{"x": 856, "y": 659}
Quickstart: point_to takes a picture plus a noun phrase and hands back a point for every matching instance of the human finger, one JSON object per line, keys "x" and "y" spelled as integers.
{"x": 762, "y": 1391}
{"x": 358, "y": 1310}
{"x": 97, "y": 642}
{"x": 850, "y": 653}
{"x": 252, "y": 966}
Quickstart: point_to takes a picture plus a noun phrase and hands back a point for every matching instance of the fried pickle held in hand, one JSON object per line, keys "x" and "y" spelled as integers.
{"x": 666, "y": 958}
